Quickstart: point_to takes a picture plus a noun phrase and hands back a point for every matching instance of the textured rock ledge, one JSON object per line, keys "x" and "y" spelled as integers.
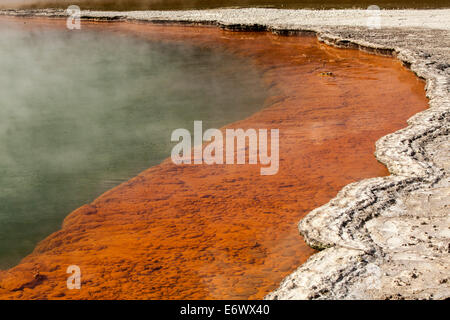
{"x": 383, "y": 237}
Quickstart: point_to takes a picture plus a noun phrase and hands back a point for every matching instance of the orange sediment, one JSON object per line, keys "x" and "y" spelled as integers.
{"x": 225, "y": 231}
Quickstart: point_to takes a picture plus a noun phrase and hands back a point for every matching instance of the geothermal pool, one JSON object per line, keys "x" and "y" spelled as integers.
{"x": 189, "y": 231}
{"x": 82, "y": 112}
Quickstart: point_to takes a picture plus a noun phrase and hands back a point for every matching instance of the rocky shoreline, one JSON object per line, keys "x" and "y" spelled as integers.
{"x": 381, "y": 238}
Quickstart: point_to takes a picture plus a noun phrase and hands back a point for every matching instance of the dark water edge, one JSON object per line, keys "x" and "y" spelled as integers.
{"x": 123, "y": 5}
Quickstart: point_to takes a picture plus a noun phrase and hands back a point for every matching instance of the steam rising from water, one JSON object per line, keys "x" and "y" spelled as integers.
{"x": 83, "y": 111}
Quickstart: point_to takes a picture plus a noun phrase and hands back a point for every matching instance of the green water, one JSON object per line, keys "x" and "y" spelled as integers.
{"x": 205, "y": 4}
{"x": 81, "y": 112}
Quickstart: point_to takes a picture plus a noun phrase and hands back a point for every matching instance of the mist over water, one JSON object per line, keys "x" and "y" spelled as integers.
{"x": 81, "y": 112}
